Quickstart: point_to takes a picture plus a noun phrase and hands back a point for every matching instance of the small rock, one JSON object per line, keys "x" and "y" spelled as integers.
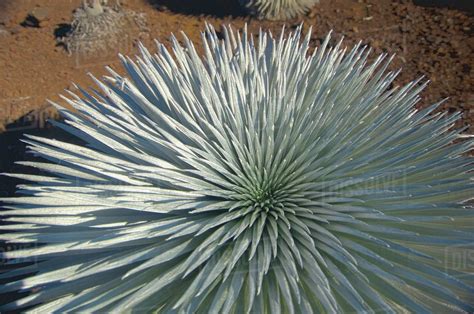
{"x": 161, "y": 7}
{"x": 466, "y": 68}
{"x": 41, "y": 14}
{"x": 38, "y": 17}
{"x": 3, "y": 31}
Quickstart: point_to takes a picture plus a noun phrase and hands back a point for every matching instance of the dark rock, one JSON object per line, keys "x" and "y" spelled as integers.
{"x": 38, "y": 17}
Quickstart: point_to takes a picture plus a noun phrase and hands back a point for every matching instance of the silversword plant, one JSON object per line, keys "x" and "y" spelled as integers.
{"x": 260, "y": 178}
{"x": 278, "y": 9}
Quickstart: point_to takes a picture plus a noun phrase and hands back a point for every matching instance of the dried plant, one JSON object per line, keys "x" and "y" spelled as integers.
{"x": 278, "y": 9}
{"x": 98, "y": 27}
{"x": 259, "y": 179}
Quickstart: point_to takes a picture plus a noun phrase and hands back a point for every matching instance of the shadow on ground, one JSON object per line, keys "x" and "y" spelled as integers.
{"x": 13, "y": 149}
{"x": 465, "y": 5}
{"x": 220, "y": 8}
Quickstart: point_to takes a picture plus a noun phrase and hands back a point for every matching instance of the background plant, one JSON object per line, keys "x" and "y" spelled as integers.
{"x": 278, "y": 9}
{"x": 99, "y": 27}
